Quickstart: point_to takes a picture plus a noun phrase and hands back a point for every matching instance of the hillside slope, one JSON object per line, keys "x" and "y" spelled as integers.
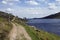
{"x": 53, "y": 16}
{"x": 5, "y": 27}
{"x": 18, "y": 30}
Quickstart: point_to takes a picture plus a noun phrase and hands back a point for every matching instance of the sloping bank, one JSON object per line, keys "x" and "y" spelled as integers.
{"x": 30, "y": 31}
{"x": 5, "y": 28}
{"x": 39, "y": 34}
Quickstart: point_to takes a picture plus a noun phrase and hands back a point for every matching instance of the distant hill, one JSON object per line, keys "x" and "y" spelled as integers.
{"x": 6, "y": 15}
{"x": 53, "y": 16}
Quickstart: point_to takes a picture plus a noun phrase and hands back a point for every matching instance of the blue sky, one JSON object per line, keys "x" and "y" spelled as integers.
{"x": 30, "y": 8}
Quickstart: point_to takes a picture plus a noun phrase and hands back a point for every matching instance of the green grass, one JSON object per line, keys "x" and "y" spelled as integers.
{"x": 4, "y": 24}
{"x": 31, "y": 32}
{"x": 48, "y": 36}
{"x": 5, "y": 28}
{"x": 41, "y": 35}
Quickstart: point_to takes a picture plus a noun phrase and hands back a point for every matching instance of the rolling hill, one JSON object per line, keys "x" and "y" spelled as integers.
{"x": 53, "y": 16}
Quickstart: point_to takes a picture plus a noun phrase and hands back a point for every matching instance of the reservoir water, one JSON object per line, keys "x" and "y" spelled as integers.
{"x": 49, "y": 25}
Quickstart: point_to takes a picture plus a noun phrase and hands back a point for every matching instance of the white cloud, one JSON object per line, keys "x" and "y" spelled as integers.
{"x": 9, "y": 10}
{"x": 41, "y": 0}
{"x": 8, "y": 2}
{"x": 17, "y": 0}
{"x": 52, "y": 5}
{"x": 32, "y": 2}
{"x": 4, "y": 2}
{"x": 11, "y": 3}
{"x": 11, "y": 0}
{"x": 58, "y": 0}
{"x": 32, "y": 12}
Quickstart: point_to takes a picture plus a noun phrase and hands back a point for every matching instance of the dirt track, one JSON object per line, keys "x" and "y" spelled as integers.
{"x": 18, "y": 32}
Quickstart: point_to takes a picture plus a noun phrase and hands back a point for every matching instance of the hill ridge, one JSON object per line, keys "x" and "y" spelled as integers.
{"x": 57, "y": 16}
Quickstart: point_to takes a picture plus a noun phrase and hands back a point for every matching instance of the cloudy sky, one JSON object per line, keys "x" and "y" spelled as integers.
{"x": 30, "y": 8}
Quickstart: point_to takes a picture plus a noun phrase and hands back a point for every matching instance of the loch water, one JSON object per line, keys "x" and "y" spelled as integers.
{"x": 49, "y": 25}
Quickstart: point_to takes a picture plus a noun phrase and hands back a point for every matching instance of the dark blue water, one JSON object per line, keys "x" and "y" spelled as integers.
{"x": 49, "y": 25}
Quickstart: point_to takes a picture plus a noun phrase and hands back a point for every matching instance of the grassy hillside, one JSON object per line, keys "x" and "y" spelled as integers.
{"x": 6, "y": 26}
